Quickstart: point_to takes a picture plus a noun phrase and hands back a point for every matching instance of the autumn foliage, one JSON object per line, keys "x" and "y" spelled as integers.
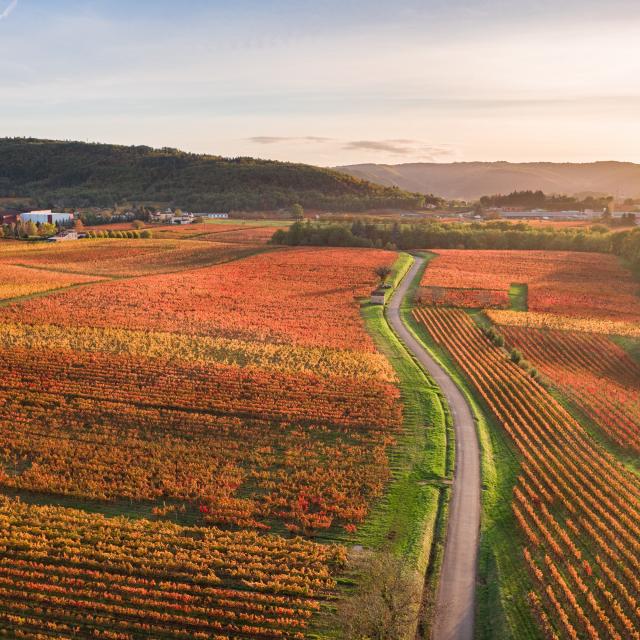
{"x": 467, "y": 298}
{"x": 18, "y": 281}
{"x": 116, "y": 258}
{"x": 66, "y": 573}
{"x": 592, "y": 371}
{"x": 581, "y": 285}
{"x": 239, "y": 396}
{"x": 577, "y": 508}
{"x": 304, "y": 296}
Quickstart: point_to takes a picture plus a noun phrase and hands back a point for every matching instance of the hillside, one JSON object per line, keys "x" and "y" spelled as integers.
{"x": 470, "y": 180}
{"x": 81, "y": 174}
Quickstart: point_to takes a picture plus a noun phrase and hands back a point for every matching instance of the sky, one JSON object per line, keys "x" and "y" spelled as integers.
{"x": 329, "y": 82}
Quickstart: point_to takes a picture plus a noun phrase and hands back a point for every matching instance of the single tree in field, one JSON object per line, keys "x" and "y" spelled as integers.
{"x": 386, "y": 603}
{"x": 383, "y": 272}
{"x": 138, "y": 224}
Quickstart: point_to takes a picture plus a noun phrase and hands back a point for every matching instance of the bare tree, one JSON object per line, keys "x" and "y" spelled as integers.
{"x": 386, "y": 603}
{"x": 383, "y": 273}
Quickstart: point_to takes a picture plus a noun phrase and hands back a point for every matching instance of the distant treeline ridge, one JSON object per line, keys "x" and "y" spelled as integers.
{"x": 75, "y": 174}
{"x": 433, "y": 235}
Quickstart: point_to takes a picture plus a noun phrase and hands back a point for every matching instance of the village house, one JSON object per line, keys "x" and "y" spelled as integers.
{"x": 162, "y": 217}
{"x": 185, "y": 218}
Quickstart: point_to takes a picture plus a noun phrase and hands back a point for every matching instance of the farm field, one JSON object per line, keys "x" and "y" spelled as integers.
{"x": 594, "y": 372}
{"x": 19, "y": 281}
{"x": 566, "y": 396}
{"x": 577, "y": 285}
{"x": 113, "y": 258}
{"x": 189, "y": 451}
{"x": 303, "y": 296}
{"x": 232, "y": 231}
{"x": 552, "y": 321}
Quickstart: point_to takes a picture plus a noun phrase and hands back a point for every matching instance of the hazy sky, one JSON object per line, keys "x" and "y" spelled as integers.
{"x": 329, "y": 81}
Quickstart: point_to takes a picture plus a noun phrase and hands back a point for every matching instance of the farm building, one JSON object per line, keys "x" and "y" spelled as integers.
{"x": 64, "y": 235}
{"x": 185, "y": 218}
{"x": 161, "y": 216}
{"x": 8, "y": 217}
{"x": 377, "y": 296}
{"x": 46, "y": 216}
{"x": 213, "y": 216}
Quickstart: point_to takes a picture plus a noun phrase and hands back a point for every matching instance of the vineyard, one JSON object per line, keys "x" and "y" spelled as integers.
{"x": 467, "y": 298}
{"x": 116, "y": 259}
{"x": 534, "y": 320}
{"x": 302, "y": 296}
{"x": 67, "y": 574}
{"x": 582, "y": 528}
{"x": 224, "y": 402}
{"x": 193, "y": 432}
{"x": 592, "y": 371}
{"x": 17, "y": 281}
{"x": 253, "y": 232}
{"x": 577, "y": 285}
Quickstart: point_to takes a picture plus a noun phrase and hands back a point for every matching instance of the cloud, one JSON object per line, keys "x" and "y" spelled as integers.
{"x": 283, "y": 139}
{"x": 417, "y": 150}
{"x": 400, "y": 147}
{"x": 9, "y": 10}
{"x": 385, "y": 146}
{"x": 268, "y": 139}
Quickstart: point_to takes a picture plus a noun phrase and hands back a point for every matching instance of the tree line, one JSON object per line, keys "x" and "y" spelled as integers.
{"x": 540, "y": 200}
{"x": 434, "y": 235}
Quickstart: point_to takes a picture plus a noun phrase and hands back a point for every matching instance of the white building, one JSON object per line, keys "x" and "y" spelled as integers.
{"x": 161, "y": 216}
{"x": 64, "y": 235}
{"x": 213, "y": 216}
{"x": 542, "y": 214}
{"x": 46, "y": 216}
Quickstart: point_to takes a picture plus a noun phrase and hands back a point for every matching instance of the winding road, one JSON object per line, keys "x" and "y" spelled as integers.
{"x": 454, "y": 615}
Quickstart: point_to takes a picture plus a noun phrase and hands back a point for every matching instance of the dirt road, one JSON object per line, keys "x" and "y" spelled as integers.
{"x": 454, "y": 618}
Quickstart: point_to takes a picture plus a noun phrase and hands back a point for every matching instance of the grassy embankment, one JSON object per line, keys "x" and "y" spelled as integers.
{"x": 630, "y": 345}
{"x": 518, "y": 296}
{"x": 503, "y": 582}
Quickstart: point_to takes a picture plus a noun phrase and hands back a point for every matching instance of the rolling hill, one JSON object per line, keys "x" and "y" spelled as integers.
{"x": 470, "y": 180}
{"x": 81, "y": 174}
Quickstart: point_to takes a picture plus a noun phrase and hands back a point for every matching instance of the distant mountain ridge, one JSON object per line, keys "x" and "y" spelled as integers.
{"x": 57, "y": 173}
{"x": 470, "y": 180}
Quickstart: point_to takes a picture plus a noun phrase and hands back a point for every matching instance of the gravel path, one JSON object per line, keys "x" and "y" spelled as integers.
{"x": 454, "y": 617}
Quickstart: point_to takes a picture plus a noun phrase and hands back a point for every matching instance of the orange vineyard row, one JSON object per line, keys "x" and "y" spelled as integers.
{"x": 593, "y": 372}
{"x": 582, "y": 527}
{"x": 117, "y": 257}
{"x": 210, "y": 387}
{"x": 301, "y": 296}
{"x": 238, "y": 472}
{"x": 563, "y": 323}
{"x": 467, "y": 298}
{"x": 581, "y": 285}
{"x": 74, "y": 574}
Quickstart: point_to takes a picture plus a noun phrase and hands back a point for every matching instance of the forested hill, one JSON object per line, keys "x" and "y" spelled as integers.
{"x": 470, "y": 180}
{"x": 82, "y": 174}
